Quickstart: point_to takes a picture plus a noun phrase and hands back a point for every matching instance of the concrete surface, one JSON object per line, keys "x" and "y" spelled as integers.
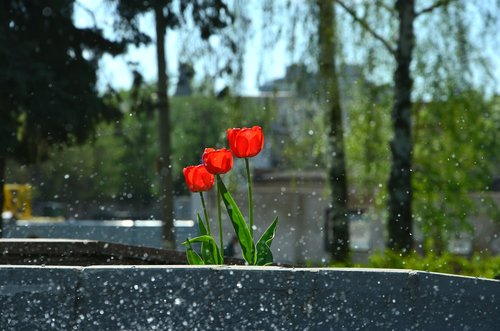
{"x": 242, "y": 298}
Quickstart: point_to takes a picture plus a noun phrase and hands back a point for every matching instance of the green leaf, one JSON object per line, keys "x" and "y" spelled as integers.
{"x": 193, "y": 257}
{"x": 270, "y": 233}
{"x": 210, "y": 251}
{"x": 239, "y": 224}
{"x": 201, "y": 225}
{"x": 205, "y": 249}
{"x": 264, "y": 254}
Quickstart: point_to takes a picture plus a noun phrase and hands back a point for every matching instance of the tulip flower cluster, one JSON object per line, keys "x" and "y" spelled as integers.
{"x": 243, "y": 143}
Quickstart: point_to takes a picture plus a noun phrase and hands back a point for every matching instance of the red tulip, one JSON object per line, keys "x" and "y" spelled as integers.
{"x": 217, "y": 161}
{"x": 198, "y": 178}
{"x": 245, "y": 142}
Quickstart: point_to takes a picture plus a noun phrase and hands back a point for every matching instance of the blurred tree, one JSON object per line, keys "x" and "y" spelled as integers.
{"x": 442, "y": 65}
{"x": 316, "y": 103}
{"x": 330, "y": 99}
{"x": 208, "y": 17}
{"x": 400, "y": 188}
{"x": 48, "y": 80}
{"x": 400, "y": 218}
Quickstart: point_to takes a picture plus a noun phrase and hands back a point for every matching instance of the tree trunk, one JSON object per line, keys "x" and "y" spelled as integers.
{"x": 165, "y": 161}
{"x": 330, "y": 97}
{"x": 400, "y": 187}
{"x": 2, "y": 197}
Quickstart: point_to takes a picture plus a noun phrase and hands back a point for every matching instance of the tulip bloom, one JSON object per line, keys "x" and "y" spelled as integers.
{"x": 245, "y": 142}
{"x": 217, "y": 161}
{"x": 198, "y": 178}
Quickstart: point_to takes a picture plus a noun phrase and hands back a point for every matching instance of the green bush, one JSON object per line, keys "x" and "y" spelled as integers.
{"x": 478, "y": 265}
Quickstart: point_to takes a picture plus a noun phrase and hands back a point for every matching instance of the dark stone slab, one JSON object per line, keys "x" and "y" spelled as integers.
{"x": 250, "y": 298}
{"x": 35, "y": 298}
{"x": 459, "y": 303}
{"x": 170, "y": 297}
{"x": 384, "y": 298}
{"x": 198, "y": 298}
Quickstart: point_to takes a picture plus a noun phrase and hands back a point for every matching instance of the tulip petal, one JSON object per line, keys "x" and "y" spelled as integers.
{"x": 246, "y": 142}
{"x": 198, "y": 179}
{"x": 231, "y": 134}
{"x": 241, "y": 145}
{"x": 254, "y": 145}
{"x": 218, "y": 161}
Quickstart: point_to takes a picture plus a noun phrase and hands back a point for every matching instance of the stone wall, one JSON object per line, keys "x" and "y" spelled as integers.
{"x": 242, "y": 298}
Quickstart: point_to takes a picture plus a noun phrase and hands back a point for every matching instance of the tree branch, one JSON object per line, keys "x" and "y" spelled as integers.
{"x": 366, "y": 26}
{"x": 382, "y": 5}
{"x": 437, "y": 4}
{"x": 88, "y": 11}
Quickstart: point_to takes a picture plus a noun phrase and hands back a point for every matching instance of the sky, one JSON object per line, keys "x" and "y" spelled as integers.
{"x": 260, "y": 64}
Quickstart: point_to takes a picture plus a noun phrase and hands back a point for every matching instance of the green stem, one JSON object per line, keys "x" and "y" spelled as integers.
{"x": 220, "y": 223}
{"x": 250, "y": 196}
{"x": 205, "y": 213}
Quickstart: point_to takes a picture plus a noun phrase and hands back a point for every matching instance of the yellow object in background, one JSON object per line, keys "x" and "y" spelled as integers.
{"x": 17, "y": 200}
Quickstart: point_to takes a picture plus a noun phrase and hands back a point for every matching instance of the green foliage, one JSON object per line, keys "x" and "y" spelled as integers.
{"x": 306, "y": 135}
{"x": 238, "y": 221}
{"x": 254, "y": 253}
{"x": 207, "y": 249}
{"x": 210, "y": 251}
{"x": 477, "y": 265}
{"x": 263, "y": 246}
{"x": 137, "y": 159}
{"x": 136, "y": 139}
{"x": 194, "y": 20}
{"x": 120, "y": 164}
{"x": 367, "y": 149}
{"x": 193, "y": 257}
{"x": 201, "y": 225}
{"x": 48, "y": 79}
{"x": 207, "y": 17}
{"x": 199, "y": 122}
{"x": 453, "y": 156}
{"x": 91, "y": 172}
